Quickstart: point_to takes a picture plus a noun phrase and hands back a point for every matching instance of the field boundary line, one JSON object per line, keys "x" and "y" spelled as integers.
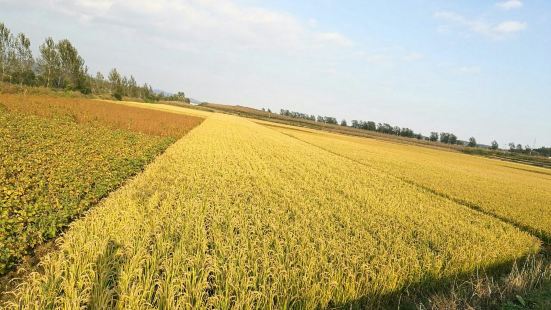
{"x": 541, "y": 236}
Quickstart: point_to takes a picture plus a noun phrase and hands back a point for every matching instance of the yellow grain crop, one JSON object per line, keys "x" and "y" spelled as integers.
{"x": 516, "y": 193}
{"x": 237, "y": 215}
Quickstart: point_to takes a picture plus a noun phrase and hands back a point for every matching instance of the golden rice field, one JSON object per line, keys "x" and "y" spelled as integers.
{"x": 240, "y": 215}
{"x": 515, "y": 193}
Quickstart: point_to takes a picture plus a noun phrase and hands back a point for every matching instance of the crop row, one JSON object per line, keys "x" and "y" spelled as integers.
{"x": 236, "y": 215}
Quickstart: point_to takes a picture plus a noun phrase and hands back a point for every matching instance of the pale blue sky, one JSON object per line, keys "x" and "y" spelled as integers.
{"x": 475, "y": 68}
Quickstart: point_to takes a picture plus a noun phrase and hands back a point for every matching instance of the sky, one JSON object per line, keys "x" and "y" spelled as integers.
{"x": 474, "y": 68}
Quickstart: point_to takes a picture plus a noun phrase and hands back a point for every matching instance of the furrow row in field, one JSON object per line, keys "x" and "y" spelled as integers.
{"x": 238, "y": 215}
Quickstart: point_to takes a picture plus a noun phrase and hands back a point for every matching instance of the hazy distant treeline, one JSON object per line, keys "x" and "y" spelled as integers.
{"x": 60, "y": 66}
{"x": 366, "y": 125}
{"x": 443, "y": 137}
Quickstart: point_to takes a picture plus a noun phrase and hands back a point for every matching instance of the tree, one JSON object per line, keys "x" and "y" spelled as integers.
{"x": 385, "y": 128}
{"x": 511, "y": 146}
{"x": 23, "y": 63}
{"x": 472, "y": 142}
{"x": 519, "y": 147}
{"x": 6, "y": 42}
{"x": 433, "y": 136}
{"x": 330, "y": 120}
{"x": 371, "y": 126}
{"x": 99, "y": 83}
{"x": 406, "y": 132}
{"x": 133, "y": 88}
{"x": 343, "y": 123}
{"x": 73, "y": 72}
{"x": 125, "y": 86}
{"x": 49, "y": 62}
{"x": 444, "y": 137}
{"x": 453, "y": 139}
{"x": 495, "y": 145}
{"x": 115, "y": 80}
{"x": 145, "y": 93}
{"x": 396, "y": 130}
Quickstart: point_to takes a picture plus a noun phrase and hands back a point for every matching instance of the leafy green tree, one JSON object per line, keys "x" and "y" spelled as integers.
{"x": 21, "y": 61}
{"x": 453, "y": 139}
{"x": 433, "y": 136}
{"x": 99, "y": 84}
{"x": 371, "y": 126}
{"x": 115, "y": 80}
{"x": 406, "y": 132}
{"x": 73, "y": 72}
{"x": 343, "y": 123}
{"x": 6, "y": 43}
{"x": 49, "y": 63}
{"x": 125, "y": 86}
{"x": 132, "y": 87}
{"x": 494, "y": 145}
{"x": 472, "y": 142}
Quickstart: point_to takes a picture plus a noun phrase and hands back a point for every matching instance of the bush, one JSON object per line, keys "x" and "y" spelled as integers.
{"x": 117, "y": 96}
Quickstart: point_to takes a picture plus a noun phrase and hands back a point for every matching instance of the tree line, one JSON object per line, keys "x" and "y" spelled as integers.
{"x": 442, "y": 137}
{"x": 386, "y": 128}
{"x": 309, "y": 117}
{"x": 518, "y": 148}
{"x": 59, "y": 66}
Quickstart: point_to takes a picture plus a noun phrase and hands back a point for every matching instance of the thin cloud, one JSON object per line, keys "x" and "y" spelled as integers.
{"x": 509, "y": 27}
{"x": 202, "y": 23}
{"x": 481, "y": 27}
{"x": 510, "y": 4}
